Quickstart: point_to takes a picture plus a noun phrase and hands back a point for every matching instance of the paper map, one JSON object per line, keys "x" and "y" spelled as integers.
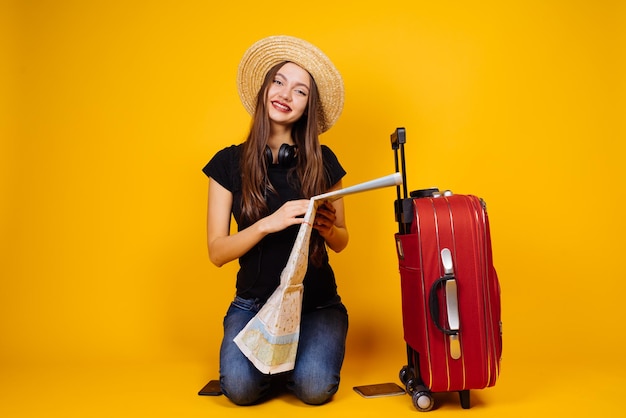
{"x": 270, "y": 339}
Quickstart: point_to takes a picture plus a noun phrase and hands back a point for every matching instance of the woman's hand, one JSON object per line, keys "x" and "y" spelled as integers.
{"x": 291, "y": 213}
{"x": 325, "y": 219}
{"x": 224, "y": 247}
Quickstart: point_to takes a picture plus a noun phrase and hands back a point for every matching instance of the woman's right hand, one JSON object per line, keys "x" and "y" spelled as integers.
{"x": 224, "y": 247}
{"x": 291, "y": 213}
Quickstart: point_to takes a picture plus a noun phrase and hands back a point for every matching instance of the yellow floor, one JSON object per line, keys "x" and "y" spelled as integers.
{"x": 170, "y": 390}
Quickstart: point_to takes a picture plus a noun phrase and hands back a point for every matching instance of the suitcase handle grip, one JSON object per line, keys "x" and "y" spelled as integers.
{"x": 434, "y": 304}
{"x": 453, "y": 313}
{"x": 452, "y": 302}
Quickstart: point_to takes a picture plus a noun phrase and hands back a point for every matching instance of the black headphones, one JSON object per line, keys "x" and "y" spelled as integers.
{"x": 286, "y": 155}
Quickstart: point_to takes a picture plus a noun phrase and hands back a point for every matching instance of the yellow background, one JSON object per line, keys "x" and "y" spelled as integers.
{"x": 109, "y": 305}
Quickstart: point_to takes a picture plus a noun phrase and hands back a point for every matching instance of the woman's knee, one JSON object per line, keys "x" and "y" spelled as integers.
{"x": 244, "y": 392}
{"x": 315, "y": 391}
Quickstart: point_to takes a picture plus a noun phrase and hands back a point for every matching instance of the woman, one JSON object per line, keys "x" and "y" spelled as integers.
{"x": 293, "y": 92}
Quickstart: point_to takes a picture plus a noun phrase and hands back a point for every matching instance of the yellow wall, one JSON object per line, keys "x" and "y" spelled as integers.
{"x": 114, "y": 107}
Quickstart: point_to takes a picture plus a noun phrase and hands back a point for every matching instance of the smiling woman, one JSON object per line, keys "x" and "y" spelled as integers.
{"x": 109, "y": 306}
{"x": 287, "y": 98}
{"x": 267, "y": 193}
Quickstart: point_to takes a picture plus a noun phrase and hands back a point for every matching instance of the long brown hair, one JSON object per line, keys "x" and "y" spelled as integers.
{"x": 309, "y": 167}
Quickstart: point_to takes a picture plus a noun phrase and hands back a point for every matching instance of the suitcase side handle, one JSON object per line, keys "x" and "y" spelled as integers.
{"x": 434, "y": 304}
{"x": 452, "y": 303}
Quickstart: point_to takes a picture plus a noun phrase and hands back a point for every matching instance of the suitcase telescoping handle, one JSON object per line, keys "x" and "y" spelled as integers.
{"x": 403, "y": 203}
{"x": 398, "y": 139}
{"x": 452, "y": 304}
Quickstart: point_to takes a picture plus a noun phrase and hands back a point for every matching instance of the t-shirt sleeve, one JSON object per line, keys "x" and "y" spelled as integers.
{"x": 221, "y": 167}
{"x": 334, "y": 170}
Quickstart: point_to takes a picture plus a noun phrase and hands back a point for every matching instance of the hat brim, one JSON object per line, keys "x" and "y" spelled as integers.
{"x": 268, "y": 52}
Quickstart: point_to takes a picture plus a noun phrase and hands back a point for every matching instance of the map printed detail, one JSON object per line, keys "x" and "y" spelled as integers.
{"x": 270, "y": 339}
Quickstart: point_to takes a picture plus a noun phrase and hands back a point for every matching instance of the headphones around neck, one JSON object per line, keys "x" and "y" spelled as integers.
{"x": 286, "y": 155}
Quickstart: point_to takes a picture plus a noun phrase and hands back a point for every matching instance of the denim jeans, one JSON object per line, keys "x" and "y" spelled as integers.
{"x": 321, "y": 350}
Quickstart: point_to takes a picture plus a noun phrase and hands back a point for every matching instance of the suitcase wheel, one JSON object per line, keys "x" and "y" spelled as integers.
{"x": 404, "y": 375}
{"x": 421, "y": 396}
{"x": 422, "y": 399}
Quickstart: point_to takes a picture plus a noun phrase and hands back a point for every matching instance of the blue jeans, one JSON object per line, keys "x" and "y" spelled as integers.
{"x": 321, "y": 350}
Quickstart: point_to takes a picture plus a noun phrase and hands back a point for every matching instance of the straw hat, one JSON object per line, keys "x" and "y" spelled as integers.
{"x": 267, "y": 52}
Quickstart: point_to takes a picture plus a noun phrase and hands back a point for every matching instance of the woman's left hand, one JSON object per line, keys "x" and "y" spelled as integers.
{"x": 325, "y": 219}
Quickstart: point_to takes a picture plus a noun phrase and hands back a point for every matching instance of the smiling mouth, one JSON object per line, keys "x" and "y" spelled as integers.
{"x": 281, "y": 106}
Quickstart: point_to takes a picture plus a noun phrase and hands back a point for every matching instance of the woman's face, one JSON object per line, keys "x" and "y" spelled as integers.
{"x": 288, "y": 94}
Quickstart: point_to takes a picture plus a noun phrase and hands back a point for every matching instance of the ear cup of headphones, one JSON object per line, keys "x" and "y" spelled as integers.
{"x": 286, "y": 155}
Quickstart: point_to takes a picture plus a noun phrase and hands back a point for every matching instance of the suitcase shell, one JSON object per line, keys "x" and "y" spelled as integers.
{"x": 460, "y": 224}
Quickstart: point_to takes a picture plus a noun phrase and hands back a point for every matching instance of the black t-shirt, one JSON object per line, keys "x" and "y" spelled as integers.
{"x": 260, "y": 268}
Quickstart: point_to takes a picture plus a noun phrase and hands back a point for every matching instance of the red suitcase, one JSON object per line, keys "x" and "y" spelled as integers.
{"x": 450, "y": 292}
